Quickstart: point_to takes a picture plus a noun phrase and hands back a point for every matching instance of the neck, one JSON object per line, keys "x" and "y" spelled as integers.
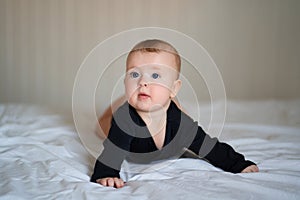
{"x": 155, "y": 119}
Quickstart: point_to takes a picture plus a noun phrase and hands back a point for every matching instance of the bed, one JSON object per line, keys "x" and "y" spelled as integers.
{"x": 42, "y": 157}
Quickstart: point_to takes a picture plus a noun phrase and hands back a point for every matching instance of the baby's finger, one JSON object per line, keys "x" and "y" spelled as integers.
{"x": 110, "y": 182}
{"x": 252, "y": 168}
{"x": 247, "y": 170}
{"x": 255, "y": 169}
{"x": 102, "y": 181}
{"x": 118, "y": 182}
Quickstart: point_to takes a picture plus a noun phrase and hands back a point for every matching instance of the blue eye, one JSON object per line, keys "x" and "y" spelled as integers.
{"x": 134, "y": 75}
{"x": 155, "y": 75}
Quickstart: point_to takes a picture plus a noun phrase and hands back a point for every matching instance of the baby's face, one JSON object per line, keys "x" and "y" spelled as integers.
{"x": 151, "y": 80}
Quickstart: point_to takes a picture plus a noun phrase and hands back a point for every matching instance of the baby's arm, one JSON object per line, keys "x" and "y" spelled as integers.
{"x": 108, "y": 165}
{"x": 221, "y": 154}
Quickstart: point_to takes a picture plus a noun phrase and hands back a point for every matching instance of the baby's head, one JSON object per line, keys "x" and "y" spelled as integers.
{"x": 152, "y": 72}
{"x": 156, "y": 46}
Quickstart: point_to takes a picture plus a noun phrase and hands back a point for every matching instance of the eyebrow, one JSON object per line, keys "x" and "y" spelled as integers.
{"x": 156, "y": 67}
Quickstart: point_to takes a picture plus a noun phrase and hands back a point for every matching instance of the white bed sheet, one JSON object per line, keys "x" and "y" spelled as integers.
{"x": 42, "y": 157}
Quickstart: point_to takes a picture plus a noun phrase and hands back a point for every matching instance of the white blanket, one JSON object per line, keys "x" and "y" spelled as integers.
{"x": 42, "y": 157}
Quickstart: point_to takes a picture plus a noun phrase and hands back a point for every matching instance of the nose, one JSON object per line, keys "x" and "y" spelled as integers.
{"x": 143, "y": 82}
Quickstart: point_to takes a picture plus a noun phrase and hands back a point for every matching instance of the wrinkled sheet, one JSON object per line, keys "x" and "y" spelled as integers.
{"x": 42, "y": 157}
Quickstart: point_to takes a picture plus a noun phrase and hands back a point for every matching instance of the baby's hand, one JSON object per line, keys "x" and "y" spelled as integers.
{"x": 251, "y": 168}
{"x": 111, "y": 182}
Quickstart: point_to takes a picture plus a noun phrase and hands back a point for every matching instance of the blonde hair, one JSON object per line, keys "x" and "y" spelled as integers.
{"x": 156, "y": 46}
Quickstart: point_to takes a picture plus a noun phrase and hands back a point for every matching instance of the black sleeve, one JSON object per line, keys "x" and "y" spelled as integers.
{"x": 218, "y": 154}
{"x": 103, "y": 171}
{"x": 116, "y": 148}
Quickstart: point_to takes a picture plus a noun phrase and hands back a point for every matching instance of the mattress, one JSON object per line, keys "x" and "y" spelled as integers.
{"x": 42, "y": 157}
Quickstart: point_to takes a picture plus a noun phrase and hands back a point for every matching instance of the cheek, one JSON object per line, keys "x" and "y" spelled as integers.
{"x": 163, "y": 86}
{"x": 130, "y": 88}
{"x": 161, "y": 91}
{"x": 166, "y": 81}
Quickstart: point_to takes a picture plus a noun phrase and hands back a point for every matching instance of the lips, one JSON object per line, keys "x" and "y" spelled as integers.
{"x": 143, "y": 96}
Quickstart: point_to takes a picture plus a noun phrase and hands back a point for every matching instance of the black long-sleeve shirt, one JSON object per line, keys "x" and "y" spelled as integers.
{"x": 129, "y": 138}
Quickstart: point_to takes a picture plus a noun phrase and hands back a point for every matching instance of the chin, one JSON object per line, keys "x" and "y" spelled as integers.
{"x": 140, "y": 106}
{"x": 143, "y": 108}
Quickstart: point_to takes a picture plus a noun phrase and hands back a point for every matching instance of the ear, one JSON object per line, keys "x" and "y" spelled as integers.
{"x": 176, "y": 88}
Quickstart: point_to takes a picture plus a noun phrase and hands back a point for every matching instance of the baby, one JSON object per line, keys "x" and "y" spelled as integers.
{"x": 149, "y": 126}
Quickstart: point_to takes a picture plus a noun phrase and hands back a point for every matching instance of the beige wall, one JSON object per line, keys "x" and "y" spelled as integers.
{"x": 255, "y": 43}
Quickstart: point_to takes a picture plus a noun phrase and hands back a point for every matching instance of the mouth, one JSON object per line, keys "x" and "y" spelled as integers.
{"x": 143, "y": 96}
